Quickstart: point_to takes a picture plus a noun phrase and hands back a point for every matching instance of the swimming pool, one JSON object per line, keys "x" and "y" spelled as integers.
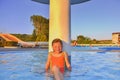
{"x": 86, "y": 65}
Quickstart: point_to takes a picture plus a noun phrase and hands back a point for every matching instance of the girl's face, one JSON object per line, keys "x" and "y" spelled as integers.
{"x": 57, "y": 47}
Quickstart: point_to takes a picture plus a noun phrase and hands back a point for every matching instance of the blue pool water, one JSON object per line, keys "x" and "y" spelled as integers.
{"x": 86, "y": 65}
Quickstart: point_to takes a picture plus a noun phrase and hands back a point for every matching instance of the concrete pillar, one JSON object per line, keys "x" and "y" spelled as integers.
{"x": 60, "y": 23}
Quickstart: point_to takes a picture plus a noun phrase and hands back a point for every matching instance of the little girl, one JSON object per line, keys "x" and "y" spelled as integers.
{"x": 57, "y": 59}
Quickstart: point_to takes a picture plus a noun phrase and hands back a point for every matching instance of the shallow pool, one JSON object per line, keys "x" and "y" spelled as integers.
{"x": 29, "y": 65}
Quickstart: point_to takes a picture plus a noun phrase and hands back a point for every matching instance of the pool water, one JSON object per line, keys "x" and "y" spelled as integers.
{"x": 29, "y": 65}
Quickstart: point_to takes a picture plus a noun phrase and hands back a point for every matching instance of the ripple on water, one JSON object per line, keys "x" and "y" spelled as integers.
{"x": 29, "y": 65}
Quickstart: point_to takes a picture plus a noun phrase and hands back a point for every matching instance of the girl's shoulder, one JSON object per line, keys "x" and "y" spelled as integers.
{"x": 50, "y": 53}
{"x": 65, "y": 53}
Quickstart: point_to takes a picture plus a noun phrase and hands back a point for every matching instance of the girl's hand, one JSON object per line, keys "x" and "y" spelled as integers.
{"x": 46, "y": 70}
{"x": 69, "y": 68}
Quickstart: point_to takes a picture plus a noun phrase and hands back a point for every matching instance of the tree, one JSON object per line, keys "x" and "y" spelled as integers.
{"x": 33, "y": 38}
{"x": 24, "y": 37}
{"x": 41, "y": 27}
{"x": 86, "y": 40}
{"x": 83, "y": 40}
{"x": 80, "y": 39}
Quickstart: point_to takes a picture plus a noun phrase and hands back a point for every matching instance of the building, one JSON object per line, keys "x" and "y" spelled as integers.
{"x": 116, "y": 37}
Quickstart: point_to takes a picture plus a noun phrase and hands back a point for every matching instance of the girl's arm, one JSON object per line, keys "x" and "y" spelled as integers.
{"x": 67, "y": 61}
{"x": 47, "y": 63}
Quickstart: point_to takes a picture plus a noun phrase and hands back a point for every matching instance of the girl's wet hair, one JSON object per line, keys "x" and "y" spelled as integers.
{"x": 57, "y": 40}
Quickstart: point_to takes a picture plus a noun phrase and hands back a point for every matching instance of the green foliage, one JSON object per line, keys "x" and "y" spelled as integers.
{"x": 10, "y": 44}
{"x": 34, "y": 36}
{"x": 41, "y": 28}
{"x": 41, "y": 38}
{"x": 86, "y": 40}
{"x": 24, "y": 37}
{"x": 83, "y": 40}
{"x": 104, "y": 41}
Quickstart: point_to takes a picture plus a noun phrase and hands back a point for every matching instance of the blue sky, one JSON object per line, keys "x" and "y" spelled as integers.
{"x": 95, "y": 19}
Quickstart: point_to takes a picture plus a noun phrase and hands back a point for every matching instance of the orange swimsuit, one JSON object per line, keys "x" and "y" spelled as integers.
{"x": 58, "y": 61}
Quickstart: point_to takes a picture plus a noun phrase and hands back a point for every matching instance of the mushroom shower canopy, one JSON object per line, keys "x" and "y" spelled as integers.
{"x": 71, "y": 1}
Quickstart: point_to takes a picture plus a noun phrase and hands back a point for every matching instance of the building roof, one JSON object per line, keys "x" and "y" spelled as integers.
{"x": 116, "y": 33}
{"x": 9, "y": 37}
{"x": 71, "y": 1}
